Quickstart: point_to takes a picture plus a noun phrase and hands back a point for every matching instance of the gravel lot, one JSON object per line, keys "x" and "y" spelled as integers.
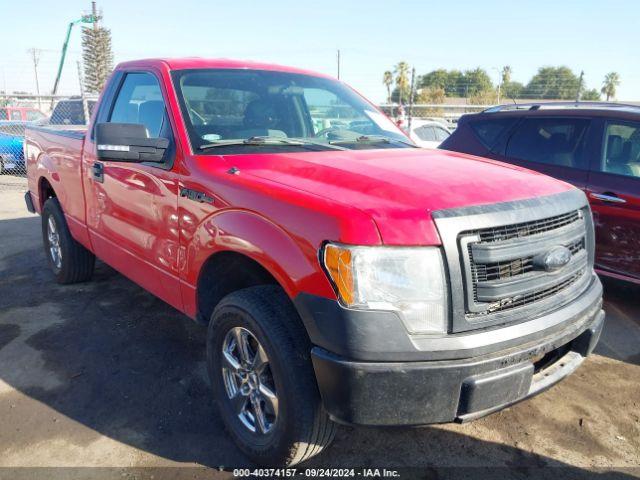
{"x": 103, "y": 374}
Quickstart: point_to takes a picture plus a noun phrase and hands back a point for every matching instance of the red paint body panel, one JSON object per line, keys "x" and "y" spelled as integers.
{"x": 398, "y": 188}
{"x": 278, "y": 211}
{"x": 617, "y": 225}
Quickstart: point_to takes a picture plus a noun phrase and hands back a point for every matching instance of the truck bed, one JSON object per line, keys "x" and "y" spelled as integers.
{"x": 55, "y": 152}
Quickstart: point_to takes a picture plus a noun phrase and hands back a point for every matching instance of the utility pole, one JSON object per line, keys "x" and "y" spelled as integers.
{"x": 579, "y": 86}
{"x": 35, "y": 55}
{"x": 411, "y": 95}
{"x": 338, "y": 58}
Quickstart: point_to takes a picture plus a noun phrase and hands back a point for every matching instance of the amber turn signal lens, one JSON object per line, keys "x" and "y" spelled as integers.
{"x": 338, "y": 263}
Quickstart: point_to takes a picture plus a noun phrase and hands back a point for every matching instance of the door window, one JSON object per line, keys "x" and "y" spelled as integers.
{"x": 621, "y": 149}
{"x": 553, "y": 141}
{"x": 140, "y": 101}
{"x": 16, "y": 115}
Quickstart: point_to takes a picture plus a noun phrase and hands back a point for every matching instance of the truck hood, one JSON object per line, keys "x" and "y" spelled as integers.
{"x": 399, "y": 188}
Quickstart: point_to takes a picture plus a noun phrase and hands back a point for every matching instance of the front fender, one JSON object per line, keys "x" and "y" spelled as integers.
{"x": 292, "y": 262}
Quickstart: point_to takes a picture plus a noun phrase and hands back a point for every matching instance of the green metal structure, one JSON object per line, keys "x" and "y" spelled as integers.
{"x": 85, "y": 19}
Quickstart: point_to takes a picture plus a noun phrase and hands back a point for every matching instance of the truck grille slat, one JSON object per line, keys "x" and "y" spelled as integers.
{"x": 507, "y": 232}
{"x": 535, "y": 296}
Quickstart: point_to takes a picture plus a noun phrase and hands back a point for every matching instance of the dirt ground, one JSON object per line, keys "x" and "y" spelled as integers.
{"x": 103, "y": 374}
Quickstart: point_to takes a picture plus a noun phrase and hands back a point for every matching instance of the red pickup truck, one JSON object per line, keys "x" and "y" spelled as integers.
{"x": 345, "y": 275}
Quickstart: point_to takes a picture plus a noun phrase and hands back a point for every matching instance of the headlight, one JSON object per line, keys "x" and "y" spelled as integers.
{"x": 407, "y": 280}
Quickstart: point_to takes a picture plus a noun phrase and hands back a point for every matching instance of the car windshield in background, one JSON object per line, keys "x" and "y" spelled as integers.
{"x": 71, "y": 112}
{"x": 226, "y": 108}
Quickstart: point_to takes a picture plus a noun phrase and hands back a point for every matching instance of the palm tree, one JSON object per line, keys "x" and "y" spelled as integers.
{"x": 387, "y": 80}
{"x": 401, "y": 71}
{"x": 611, "y": 81}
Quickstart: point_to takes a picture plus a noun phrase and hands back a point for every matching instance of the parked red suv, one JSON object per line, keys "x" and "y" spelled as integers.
{"x": 594, "y": 146}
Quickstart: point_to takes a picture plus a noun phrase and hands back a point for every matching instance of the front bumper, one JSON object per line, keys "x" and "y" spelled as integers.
{"x": 467, "y": 384}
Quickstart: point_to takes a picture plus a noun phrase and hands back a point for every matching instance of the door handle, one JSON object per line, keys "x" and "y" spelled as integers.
{"x": 98, "y": 172}
{"x": 605, "y": 197}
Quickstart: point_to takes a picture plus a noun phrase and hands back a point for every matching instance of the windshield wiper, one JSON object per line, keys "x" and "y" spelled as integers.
{"x": 266, "y": 140}
{"x": 372, "y": 139}
{"x": 251, "y": 141}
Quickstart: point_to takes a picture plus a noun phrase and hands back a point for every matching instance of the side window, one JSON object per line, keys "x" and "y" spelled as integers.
{"x": 621, "y": 149}
{"x": 426, "y": 134}
{"x": 554, "y": 141}
{"x": 140, "y": 101}
{"x": 3, "y": 114}
{"x": 441, "y": 134}
{"x": 489, "y": 131}
{"x": 16, "y": 115}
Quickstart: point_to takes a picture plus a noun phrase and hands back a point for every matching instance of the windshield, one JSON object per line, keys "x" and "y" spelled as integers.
{"x": 220, "y": 106}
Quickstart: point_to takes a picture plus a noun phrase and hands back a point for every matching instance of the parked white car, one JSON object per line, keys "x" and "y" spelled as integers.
{"x": 428, "y": 133}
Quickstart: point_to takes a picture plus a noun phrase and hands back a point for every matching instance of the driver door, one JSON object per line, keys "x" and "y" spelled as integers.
{"x": 132, "y": 207}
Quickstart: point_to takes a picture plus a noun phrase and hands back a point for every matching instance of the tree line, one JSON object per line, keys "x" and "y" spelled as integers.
{"x": 549, "y": 83}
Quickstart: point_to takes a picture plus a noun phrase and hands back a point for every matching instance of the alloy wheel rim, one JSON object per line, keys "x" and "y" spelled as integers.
{"x": 54, "y": 242}
{"x": 248, "y": 381}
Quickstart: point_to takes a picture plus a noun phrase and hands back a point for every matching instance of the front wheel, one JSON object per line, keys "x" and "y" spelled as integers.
{"x": 70, "y": 261}
{"x": 262, "y": 378}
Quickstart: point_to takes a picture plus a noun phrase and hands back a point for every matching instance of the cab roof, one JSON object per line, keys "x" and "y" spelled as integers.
{"x": 215, "y": 63}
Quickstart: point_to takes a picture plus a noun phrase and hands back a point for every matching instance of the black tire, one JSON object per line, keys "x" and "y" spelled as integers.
{"x": 302, "y": 428}
{"x": 75, "y": 263}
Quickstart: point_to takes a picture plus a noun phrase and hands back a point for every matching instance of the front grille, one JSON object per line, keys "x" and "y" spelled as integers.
{"x": 504, "y": 261}
{"x": 490, "y": 287}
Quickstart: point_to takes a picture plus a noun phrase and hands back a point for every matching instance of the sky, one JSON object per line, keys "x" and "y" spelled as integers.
{"x": 593, "y": 36}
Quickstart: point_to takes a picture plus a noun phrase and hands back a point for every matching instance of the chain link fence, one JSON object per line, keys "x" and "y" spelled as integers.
{"x": 17, "y": 111}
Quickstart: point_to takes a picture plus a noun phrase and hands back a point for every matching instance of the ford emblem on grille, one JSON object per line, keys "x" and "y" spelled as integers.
{"x": 553, "y": 259}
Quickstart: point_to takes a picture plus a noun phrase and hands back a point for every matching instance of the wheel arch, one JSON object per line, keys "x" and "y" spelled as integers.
{"x": 45, "y": 191}
{"x": 239, "y": 249}
{"x": 225, "y": 272}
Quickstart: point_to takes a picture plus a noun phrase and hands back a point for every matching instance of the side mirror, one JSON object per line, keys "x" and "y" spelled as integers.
{"x": 128, "y": 142}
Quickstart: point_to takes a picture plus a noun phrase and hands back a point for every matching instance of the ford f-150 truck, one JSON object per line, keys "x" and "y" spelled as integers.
{"x": 345, "y": 275}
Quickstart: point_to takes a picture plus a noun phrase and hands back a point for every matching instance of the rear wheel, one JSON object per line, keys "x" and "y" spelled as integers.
{"x": 262, "y": 378}
{"x": 70, "y": 261}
